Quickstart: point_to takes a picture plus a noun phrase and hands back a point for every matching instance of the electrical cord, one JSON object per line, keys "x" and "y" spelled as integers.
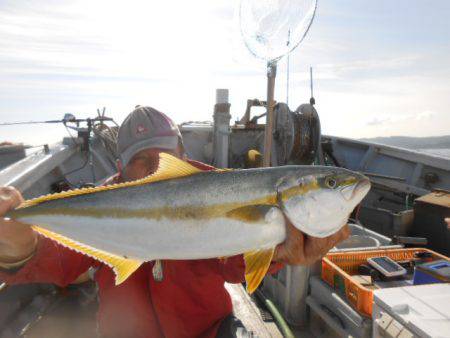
{"x": 74, "y": 170}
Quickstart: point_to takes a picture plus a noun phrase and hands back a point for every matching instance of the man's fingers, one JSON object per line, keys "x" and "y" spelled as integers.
{"x": 17, "y": 240}
{"x": 345, "y": 232}
{"x": 291, "y": 251}
{"x": 339, "y": 236}
{"x": 316, "y": 248}
{"x": 301, "y": 249}
{"x": 10, "y": 198}
{"x": 342, "y": 234}
{"x": 335, "y": 238}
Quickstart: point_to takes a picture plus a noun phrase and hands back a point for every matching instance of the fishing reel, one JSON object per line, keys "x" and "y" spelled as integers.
{"x": 296, "y": 134}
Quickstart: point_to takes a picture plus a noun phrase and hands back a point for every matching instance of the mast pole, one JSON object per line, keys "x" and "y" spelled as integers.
{"x": 271, "y": 75}
{"x": 287, "y": 68}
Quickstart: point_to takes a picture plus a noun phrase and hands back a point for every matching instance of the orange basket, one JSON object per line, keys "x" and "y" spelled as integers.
{"x": 338, "y": 267}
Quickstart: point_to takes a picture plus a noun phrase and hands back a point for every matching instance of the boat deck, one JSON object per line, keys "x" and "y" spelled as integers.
{"x": 71, "y": 313}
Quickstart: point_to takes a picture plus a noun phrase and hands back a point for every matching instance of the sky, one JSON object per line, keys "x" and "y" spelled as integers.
{"x": 381, "y": 68}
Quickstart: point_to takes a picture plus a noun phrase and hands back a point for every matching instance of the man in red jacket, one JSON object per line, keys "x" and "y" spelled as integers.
{"x": 184, "y": 298}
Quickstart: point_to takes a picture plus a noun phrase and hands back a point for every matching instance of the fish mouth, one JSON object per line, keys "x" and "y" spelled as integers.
{"x": 352, "y": 191}
{"x": 363, "y": 187}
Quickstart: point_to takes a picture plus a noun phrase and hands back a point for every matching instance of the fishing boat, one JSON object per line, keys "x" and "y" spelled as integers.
{"x": 405, "y": 207}
{"x": 10, "y": 153}
{"x": 284, "y": 304}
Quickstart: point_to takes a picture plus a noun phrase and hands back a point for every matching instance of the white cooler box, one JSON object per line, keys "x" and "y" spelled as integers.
{"x": 412, "y": 311}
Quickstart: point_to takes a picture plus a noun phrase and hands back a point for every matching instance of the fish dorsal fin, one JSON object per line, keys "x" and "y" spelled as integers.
{"x": 169, "y": 167}
{"x": 172, "y": 167}
{"x": 122, "y": 267}
{"x": 256, "y": 265}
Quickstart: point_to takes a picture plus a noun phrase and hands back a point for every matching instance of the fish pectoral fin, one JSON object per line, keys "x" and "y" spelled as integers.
{"x": 256, "y": 266}
{"x": 122, "y": 267}
{"x": 250, "y": 213}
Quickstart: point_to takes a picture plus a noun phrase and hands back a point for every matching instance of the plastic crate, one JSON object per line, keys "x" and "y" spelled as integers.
{"x": 337, "y": 269}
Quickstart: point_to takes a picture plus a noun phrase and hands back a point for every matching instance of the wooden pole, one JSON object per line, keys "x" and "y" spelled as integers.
{"x": 271, "y": 75}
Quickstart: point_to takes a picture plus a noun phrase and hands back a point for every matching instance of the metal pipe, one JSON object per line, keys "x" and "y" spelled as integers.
{"x": 268, "y": 135}
{"x": 221, "y": 129}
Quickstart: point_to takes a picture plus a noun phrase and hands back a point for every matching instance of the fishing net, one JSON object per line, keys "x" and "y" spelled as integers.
{"x": 273, "y": 28}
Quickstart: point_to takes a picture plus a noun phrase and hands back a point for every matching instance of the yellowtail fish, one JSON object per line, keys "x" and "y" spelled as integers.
{"x": 182, "y": 212}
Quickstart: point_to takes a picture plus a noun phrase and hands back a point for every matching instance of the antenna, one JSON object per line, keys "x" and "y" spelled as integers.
{"x": 312, "y": 100}
{"x": 66, "y": 119}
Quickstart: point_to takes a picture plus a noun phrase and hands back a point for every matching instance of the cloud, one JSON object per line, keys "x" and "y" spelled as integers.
{"x": 376, "y": 121}
{"x": 138, "y": 39}
{"x": 60, "y": 56}
{"x": 400, "y": 118}
{"x": 425, "y": 115}
{"x": 378, "y": 67}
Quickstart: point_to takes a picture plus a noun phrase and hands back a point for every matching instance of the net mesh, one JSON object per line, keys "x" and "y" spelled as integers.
{"x": 273, "y": 28}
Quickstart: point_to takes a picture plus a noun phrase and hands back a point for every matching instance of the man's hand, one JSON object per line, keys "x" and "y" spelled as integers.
{"x": 300, "y": 249}
{"x": 17, "y": 240}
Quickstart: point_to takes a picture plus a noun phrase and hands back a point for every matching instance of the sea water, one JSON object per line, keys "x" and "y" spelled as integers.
{"x": 445, "y": 153}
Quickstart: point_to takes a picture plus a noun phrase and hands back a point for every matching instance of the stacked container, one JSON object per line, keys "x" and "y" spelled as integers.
{"x": 289, "y": 287}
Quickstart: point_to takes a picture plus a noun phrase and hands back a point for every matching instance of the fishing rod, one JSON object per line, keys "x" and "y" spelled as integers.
{"x": 28, "y": 122}
{"x": 68, "y": 118}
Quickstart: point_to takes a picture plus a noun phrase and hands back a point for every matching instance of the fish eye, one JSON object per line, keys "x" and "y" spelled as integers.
{"x": 330, "y": 182}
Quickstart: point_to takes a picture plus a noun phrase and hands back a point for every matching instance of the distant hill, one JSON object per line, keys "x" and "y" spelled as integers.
{"x": 435, "y": 142}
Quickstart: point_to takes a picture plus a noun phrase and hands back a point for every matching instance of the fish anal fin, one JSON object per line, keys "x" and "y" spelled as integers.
{"x": 257, "y": 264}
{"x": 122, "y": 267}
{"x": 250, "y": 213}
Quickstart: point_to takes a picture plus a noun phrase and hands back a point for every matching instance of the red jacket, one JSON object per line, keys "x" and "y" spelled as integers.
{"x": 190, "y": 301}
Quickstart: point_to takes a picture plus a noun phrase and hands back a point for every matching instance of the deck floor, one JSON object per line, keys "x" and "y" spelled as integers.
{"x": 71, "y": 316}
{"x": 246, "y": 309}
